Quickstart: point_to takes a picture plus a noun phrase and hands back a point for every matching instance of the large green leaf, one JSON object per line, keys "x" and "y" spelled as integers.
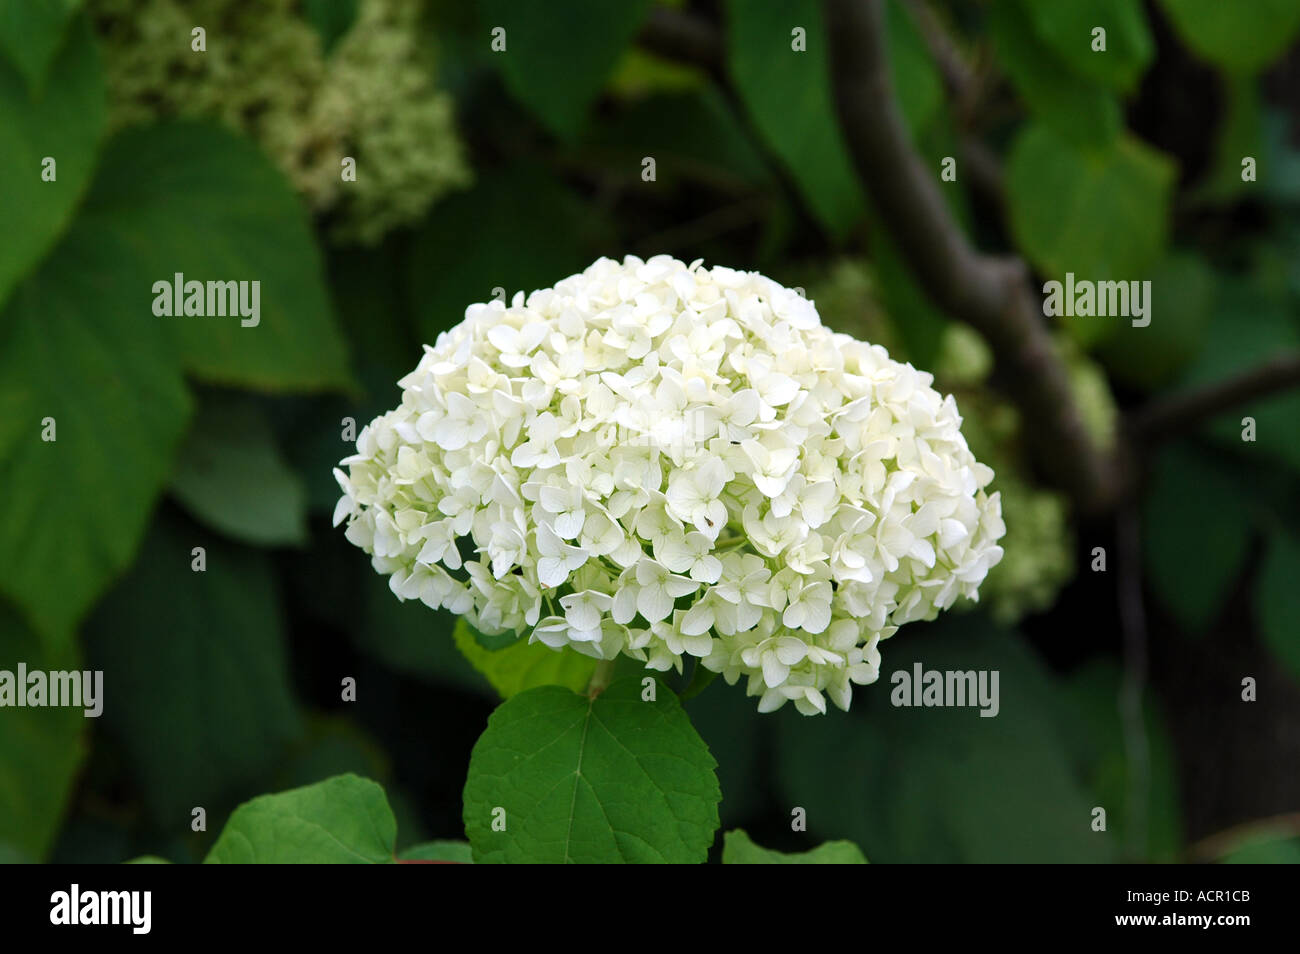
{"x": 1197, "y": 526}
{"x": 40, "y": 748}
{"x": 1101, "y": 213}
{"x": 1067, "y": 25}
{"x": 231, "y": 475}
{"x": 1276, "y": 605}
{"x": 788, "y": 95}
{"x": 75, "y": 346}
{"x": 31, "y": 32}
{"x": 196, "y": 672}
{"x": 739, "y": 849}
{"x": 1073, "y": 106}
{"x": 81, "y": 343}
{"x": 1242, "y": 37}
{"x": 558, "y": 54}
{"x": 63, "y": 122}
{"x": 342, "y": 820}
{"x": 944, "y": 784}
{"x": 575, "y": 779}
{"x": 191, "y": 198}
{"x": 523, "y": 665}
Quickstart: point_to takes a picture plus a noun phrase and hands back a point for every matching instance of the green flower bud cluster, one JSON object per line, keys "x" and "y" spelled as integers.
{"x": 264, "y": 72}
{"x": 1039, "y": 545}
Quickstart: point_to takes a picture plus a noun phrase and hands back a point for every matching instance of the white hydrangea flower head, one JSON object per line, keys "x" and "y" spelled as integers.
{"x": 665, "y": 460}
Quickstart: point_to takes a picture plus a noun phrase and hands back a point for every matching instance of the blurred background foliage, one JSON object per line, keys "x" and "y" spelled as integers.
{"x": 479, "y": 169}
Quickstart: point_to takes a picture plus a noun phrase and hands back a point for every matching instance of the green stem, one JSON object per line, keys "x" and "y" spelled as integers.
{"x": 600, "y": 678}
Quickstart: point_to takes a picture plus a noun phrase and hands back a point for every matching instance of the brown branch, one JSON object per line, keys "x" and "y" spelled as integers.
{"x": 1179, "y": 413}
{"x": 958, "y": 76}
{"x": 991, "y": 294}
{"x": 683, "y": 38}
{"x": 966, "y": 90}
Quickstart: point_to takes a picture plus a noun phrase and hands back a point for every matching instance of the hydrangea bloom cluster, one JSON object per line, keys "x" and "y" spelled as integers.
{"x": 664, "y": 460}
{"x": 1032, "y": 573}
{"x": 265, "y": 73}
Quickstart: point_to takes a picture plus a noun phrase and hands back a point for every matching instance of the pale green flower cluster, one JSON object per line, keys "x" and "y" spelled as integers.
{"x": 264, "y": 73}
{"x": 663, "y": 460}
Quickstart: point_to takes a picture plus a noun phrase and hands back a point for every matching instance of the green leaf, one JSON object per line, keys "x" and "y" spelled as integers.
{"x": 78, "y": 344}
{"x": 231, "y": 475}
{"x": 455, "y": 851}
{"x": 194, "y": 199}
{"x": 180, "y": 198}
{"x": 788, "y": 95}
{"x": 147, "y": 860}
{"x": 923, "y": 785}
{"x": 528, "y": 233}
{"x": 31, "y": 32}
{"x": 1076, "y": 108}
{"x": 1242, "y": 37}
{"x": 640, "y": 73}
{"x": 1276, "y": 605}
{"x": 739, "y": 849}
{"x": 1240, "y": 133}
{"x": 342, "y": 820}
{"x": 1100, "y": 213}
{"x": 558, "y": 54}
{"x": 1265, "y": 849}
{"x": 493, "y": 642}
{"x": 1196, "y": 531}
{"x": 40, "y": 749}
{"x": 1067, "y": 25}
{"x": 610, "y": 779}
{"x": 195, "y": 661}
{"x": 1185, "y": 286}
{"x": 524, "y": 665}
{"x": 64, "y": 123}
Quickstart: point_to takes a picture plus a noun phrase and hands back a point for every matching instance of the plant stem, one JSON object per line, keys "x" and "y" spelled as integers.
{"x": 601, "y": 677}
